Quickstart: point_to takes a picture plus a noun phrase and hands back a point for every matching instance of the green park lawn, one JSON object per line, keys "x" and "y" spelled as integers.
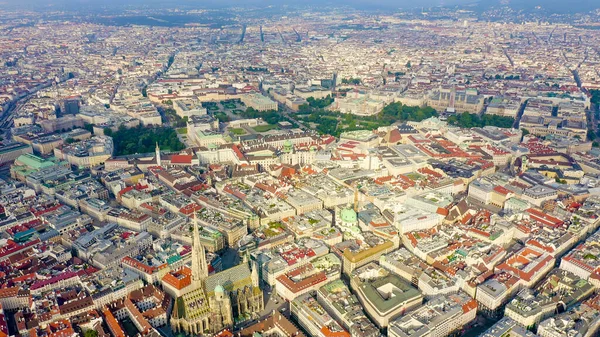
{"x": 264, "y": 128}
{"x": 238, "y": 131}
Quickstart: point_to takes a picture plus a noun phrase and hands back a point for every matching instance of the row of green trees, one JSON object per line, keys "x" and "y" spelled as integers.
{"x": 334, "y": 122}
{"x": 315, "y": 103}
{"x": 320, "y": 102}
{"x": 256, "y": 69}
{"x": 143, "y": 139}
{"x": 270, "y": 116}
{"x": 397, "y": 111}
{"x": 355, "y": 81}
{"x": 468, "y": 120}
{"x": 501, "y": 77}
{"x": 175, "y": 120}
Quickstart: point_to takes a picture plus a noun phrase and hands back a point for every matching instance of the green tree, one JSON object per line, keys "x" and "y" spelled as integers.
{"x": 90, "y": 333}
{"x": 304, "y": 108}
{"x": 595, "y": 96}
{"x": 269, "y": 116}
{"x": 319, "y": 103}
{"x": 468, "y": 120}
{"x": 355, "y": 81}
{"x": 396, "y": 111}
{"x": 143, "y": 140}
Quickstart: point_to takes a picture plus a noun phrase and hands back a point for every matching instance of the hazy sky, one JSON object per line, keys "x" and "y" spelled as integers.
{"x": 211, "y": 3}
{"x": 551, "y": 5}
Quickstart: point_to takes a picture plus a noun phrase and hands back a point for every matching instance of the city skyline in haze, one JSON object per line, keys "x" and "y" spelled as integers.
{"x": 553, "y": 6}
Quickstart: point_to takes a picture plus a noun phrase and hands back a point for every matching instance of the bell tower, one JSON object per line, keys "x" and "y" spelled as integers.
{"x": 157, "y": 154}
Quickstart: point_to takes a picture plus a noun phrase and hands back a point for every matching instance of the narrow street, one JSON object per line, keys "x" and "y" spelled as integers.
{"x": 519, "y": 115}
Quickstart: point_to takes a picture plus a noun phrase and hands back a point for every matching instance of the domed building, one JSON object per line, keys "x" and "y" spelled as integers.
{"x": 288, "y": 147}
{"x": 348, "y": 216}
{"x": 347, "y": 221}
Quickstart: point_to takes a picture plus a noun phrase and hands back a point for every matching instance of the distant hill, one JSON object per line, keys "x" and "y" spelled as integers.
{"x": 549, "y": 6}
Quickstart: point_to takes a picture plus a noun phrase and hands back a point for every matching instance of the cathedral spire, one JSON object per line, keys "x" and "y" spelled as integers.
{"x": 255, "y": 279}
{"x": 199, "y": 267}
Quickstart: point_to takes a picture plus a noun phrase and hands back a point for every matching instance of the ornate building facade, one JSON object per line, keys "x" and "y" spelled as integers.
{"x": 210, "y": 303}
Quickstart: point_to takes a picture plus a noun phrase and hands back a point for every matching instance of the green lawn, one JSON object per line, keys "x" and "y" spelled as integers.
{"x": 413, "y": 176}
{"x": 182, "y": 131}
{"x": 264, "y": 128}
{"x": 370, "y": 125}
{"x": 238, "y": 131}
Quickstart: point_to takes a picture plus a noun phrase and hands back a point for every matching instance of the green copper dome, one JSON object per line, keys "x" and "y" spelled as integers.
{"x": 219, "y": 289}
{"x": 348, "y": 215}
{"x": 287, "y": 145}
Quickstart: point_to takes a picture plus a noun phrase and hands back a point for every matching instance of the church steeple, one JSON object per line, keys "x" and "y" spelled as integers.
{"x": 199, "y": 266}
{"x": 255, "y": 279}
{"x": 246, "y": 258}
{"x": 157, "y": 154}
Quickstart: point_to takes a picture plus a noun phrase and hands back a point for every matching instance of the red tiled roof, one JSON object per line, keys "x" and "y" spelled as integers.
{"x": 544, "y": 218}
{"x": 501, "y": 190}
{"x": 395, "y": 136}
{"x": 55, "y": 279}
{"x": 237, "y": 152}
{"x": 181, "y": 159}
{"x": 125, "y": 190}
{"x": 224, "y": 333}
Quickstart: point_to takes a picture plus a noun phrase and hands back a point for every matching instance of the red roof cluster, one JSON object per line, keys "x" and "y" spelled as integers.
{"x": 292, "y": 256}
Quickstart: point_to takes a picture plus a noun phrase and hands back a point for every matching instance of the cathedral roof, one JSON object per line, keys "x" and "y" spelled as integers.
{"x": 230, "y": 279}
